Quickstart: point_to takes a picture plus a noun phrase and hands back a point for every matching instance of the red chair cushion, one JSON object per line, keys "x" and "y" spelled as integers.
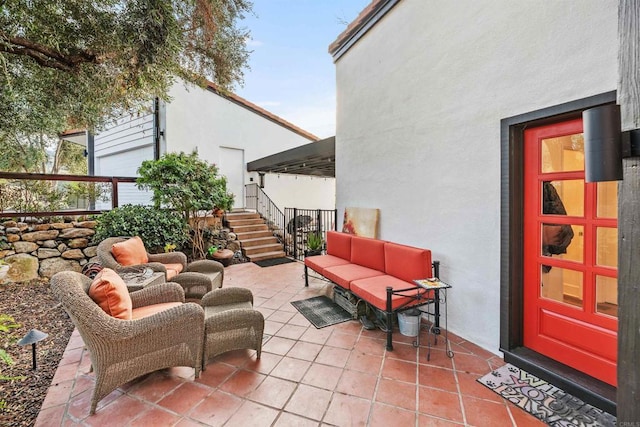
{"x": 130, "y": 252}
{"x": 173, "y": 269}
{"x": 406, "y": 262}
{"x": 148, "y": 310}
{"x": 109, "y": 291}
{"x": 339, "y": 244}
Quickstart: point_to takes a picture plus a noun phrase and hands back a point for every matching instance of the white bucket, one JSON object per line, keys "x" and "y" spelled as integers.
{"x": 409, "y": 322}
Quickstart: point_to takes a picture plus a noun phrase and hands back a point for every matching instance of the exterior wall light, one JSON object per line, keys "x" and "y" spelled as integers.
{"x": 605, "y": 145}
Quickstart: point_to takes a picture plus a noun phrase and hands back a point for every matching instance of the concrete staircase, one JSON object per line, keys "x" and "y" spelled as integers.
{"x": 256, "y": 240}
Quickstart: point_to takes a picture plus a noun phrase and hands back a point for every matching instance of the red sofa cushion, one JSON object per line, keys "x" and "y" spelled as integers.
{"x": 339, "y": 244}
{"x": 368, "y": 252}
{"x": 343, "y": 275}
{"x": 406, "y": 262}
{"x": 374, "y": 291}
{"x": 320, "y": 262}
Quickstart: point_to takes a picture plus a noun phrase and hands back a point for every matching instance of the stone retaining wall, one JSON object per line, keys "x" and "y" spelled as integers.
{"x": 41, "y": 250}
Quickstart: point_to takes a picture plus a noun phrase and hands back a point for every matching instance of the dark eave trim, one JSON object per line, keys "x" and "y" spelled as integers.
{"x": 351, "y": 36}
{"x": 315, "y": 159}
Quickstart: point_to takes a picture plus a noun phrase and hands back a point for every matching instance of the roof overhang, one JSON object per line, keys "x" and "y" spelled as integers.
{"x": 315, "y": 159}
{"x": 76, "y": 136}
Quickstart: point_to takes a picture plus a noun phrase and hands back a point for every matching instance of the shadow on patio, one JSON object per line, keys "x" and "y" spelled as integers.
{"x": 339, "y": 375}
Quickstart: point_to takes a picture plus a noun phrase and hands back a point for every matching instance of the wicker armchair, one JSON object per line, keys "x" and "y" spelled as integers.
{"x": 122, "y": 350}
{"x": 231, "y": 323}
{"x": 196, "y": 278}
{"x": 157, "y": 262}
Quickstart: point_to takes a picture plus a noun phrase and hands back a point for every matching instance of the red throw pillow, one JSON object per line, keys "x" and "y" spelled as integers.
{"x": 130, "y": 252}
{"x": 109, "y": 291}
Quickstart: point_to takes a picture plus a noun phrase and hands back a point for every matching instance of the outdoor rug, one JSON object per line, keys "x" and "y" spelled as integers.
{"x": 544, "y": 401}
{"x": 273, "y": 261}
{"x": 321, "y": 311}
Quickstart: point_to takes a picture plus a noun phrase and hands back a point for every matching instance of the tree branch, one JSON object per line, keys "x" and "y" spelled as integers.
{"x": 45, "y": 56}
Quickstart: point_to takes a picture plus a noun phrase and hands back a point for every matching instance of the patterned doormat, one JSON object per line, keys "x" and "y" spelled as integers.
{"x": 321, "y": 311}
{"x": 543, "y": 400}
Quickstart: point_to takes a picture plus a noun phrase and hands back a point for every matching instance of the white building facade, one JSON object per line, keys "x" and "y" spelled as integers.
{"x": 223, "y": 129}
{"x": 426, "y": 94}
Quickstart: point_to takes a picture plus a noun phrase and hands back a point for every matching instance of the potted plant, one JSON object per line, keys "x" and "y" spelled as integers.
{"x": 315, "y": 244}
{"x": 212, "y": 250}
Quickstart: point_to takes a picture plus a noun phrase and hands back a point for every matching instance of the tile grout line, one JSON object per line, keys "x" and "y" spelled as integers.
{"x": 462, "y": 409}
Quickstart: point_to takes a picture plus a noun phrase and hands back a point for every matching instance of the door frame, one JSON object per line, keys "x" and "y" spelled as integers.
{"x": 587, "y": 388}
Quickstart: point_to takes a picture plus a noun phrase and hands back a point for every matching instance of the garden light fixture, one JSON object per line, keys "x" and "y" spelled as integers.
{"x": 32, "y": 337}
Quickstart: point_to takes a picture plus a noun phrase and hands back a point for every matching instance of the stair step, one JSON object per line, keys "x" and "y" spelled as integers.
{"x": 241, "y": 222}
{"x": 258, "y": 249}
{"x": 247, "y": 243}
{"x": 242, "y": 215}
{"x": 253, "y": 235}
{"x": 247, "y": 228}
{"x": 266, "y": 255}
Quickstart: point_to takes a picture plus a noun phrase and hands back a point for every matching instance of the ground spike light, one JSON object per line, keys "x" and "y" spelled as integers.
{"x": 33, "y": 336}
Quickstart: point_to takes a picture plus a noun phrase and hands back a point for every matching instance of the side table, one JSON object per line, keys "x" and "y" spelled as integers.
{"x": 439, "y": 289}
{"x": 137, "y": 281}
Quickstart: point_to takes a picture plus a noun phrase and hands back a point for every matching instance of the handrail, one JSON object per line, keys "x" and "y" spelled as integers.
{"x": 114, "y": 180}
{"x": 258, "y": 200}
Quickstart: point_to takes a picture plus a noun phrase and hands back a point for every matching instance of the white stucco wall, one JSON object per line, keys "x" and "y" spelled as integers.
{"x": 300, "y": 191}
{"x": 420, "y": 98}
{"x": 198, "y": 119}
{"x": 222, "y": 132}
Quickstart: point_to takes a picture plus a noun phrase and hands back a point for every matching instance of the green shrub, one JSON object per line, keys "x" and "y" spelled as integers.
{"x": 156, "y": 227}
{"x": 188, "y": 184}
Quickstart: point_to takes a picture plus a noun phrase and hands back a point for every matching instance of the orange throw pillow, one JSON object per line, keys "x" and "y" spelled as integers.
{"x": 130, "y": 252}
{"x": 109, "y": 291}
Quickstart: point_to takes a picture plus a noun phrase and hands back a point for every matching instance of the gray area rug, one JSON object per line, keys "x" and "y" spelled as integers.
{"x": 544, "y": 401}
{"x": 321, "y": 311}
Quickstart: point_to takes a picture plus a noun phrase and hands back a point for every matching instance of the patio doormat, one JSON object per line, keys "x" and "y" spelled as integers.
{"x": 273, "y": 261}
{"x": 544, "y": 401}
{"x": 321, "y": 311}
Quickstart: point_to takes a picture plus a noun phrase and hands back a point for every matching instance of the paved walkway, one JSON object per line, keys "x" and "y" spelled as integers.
{"x": 339, "y": 375}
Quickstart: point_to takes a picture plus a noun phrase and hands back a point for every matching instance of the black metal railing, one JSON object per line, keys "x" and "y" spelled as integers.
{"x": 302, "y": 222}
{"x": 294, "y": 225}
{"x": 258, "y": 200}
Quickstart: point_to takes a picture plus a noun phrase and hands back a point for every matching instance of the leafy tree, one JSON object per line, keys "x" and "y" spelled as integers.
{"x": 190, "y": 185}
{"x": 75, "y": 63}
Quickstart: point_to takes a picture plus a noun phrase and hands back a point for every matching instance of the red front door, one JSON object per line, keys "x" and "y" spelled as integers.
{"x": 570, "y": 255}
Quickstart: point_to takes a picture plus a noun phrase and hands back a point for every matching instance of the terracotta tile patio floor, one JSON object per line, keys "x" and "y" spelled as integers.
{"x": 339, "y": 375}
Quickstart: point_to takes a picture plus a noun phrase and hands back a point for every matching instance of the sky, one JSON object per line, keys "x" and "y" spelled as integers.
{"x": 291, "y": 72}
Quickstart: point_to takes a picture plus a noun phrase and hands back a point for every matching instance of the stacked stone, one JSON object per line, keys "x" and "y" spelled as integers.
{"x": 41, "y": 250}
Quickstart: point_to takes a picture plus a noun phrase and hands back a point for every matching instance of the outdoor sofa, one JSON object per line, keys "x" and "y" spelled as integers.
{"x": 377, "y": 272}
